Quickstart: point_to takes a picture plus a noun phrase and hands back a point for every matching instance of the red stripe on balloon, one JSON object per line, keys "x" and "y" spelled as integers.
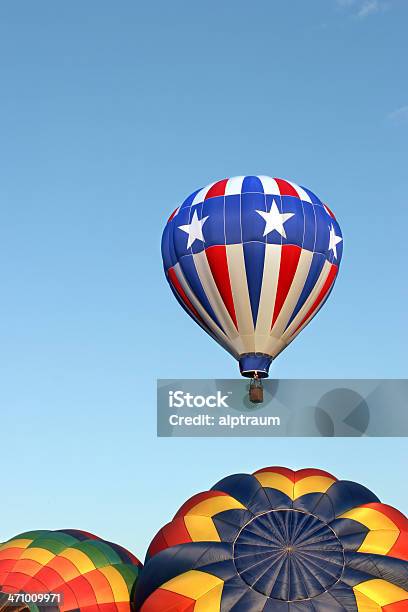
{"x": 6, "y": 566}
{"x": 168, "y": 601}
{"x": 56, "y": 584}
{"x": 392, "y": 513}
{"x": 400, "y": 548}
{"x": 72, "y": 601}
{"x": 278, "y": 470}
{"x": 217, "y": 260}
{"x": 196, "y": 499}
{"x": 14, "y": 582}
{"x": 305, "y": 473}
{"x": 82, "y": 590}
{"x": 63, "y": 566}
{"x": 100, "y": 584}
{"x": 176, "y": 532}
{"x": 322, "y": 295}
{"x": 172, "y": 534}
{"x": 28, "y": 583}
{"x": 179, "y": 289}
{"x": 329, "y": 211}
{"x": 173, "y": 214}
{"x": 11, "y": 553}
{"x": 399, "y": 606}
{"x": 218, "y": 189}
{"x": 157, "y": 544}
{"x": 286, "y": 189}
{"x": 49, "y": 577}
{"x": 290, "y": 256}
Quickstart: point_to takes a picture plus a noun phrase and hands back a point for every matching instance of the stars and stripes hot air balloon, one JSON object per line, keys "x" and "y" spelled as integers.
{"x": 87, "y": 573}
{"x": 279, "y": 541}
{"x": 252, "y": 259}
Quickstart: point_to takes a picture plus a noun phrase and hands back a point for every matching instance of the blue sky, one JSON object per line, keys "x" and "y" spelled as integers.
{"x": 110, "y": 115}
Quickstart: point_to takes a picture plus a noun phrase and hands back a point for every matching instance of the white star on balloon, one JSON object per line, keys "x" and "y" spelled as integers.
{"x": 275, "y": 220}
{"x": 334, "y": 241}
{"x": 194, "y": 229}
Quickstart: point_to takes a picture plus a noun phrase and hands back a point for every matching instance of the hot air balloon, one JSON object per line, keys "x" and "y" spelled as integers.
{"x": 66, "y": 570}
{"x": 279, "y": 541}
{"x": 252, "y": 259}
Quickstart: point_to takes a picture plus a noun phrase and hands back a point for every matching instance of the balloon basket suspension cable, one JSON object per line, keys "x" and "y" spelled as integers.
{"x": 256, "y": 394}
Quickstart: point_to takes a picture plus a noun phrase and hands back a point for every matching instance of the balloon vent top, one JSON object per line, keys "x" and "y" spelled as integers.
{"x": 275, "y": 551}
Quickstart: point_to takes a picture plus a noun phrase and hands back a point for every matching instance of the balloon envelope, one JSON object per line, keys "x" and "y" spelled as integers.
{"x": 279, "y": 541}
{"x": 252, "y": 259}
{"x": 90, "y": 574}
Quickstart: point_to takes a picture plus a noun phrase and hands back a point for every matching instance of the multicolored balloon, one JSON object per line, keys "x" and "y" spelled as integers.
{"x": 279, "y": 541}
{"x": 252, "y": 259}
{"x": 88, "y": 573}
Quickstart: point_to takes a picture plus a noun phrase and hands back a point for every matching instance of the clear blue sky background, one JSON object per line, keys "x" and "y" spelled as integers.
{"x": 111, "y": 113}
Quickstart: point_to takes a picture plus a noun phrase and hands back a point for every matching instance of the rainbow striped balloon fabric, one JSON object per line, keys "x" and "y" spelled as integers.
{"x": 279, "y": 541}
{"x": 88, "y": 573}
{"x": 252, "y": 259}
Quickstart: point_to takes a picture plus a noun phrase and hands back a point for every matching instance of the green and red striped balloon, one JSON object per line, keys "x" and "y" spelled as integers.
{"x": 86, "y": 572}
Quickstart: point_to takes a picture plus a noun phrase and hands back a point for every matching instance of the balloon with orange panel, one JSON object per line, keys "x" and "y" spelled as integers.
{"x": 279, "y": 541}
{"x": 83, "y": 572}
